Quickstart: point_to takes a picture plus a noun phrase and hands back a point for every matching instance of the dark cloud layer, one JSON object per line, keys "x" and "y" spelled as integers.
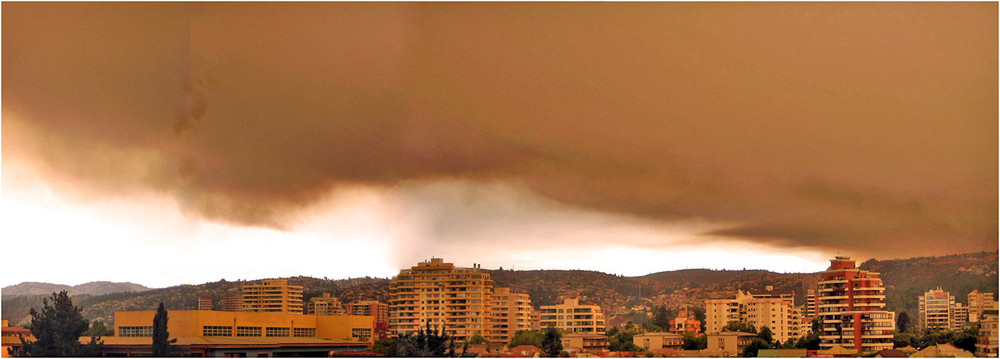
{"x": 868, "y": 127}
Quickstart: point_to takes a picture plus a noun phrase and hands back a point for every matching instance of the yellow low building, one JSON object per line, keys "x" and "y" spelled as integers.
{"x": 658, "y": 340}
{"x": 209, "y": 323}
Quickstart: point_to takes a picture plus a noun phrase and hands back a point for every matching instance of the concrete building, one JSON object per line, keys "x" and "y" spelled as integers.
{"x": 589, "y": 342}
{"x": 987, "y": 342}
{"x": 980, "y": 302}
{"x": 935, "y": 309}
{"x": 685, "y": 322}
{"x": 536, "y": 320}
{"x": 775, "y": 310}
{"x": 959, "y": 316}
{"x": 219, "y": 333}
{"x": 509, "y": 312}
{"x": 435, "y": 293}
{"x": 729, "y": 344}
{"x": 272, "y": 296}
{"x": 232, "y": 302}
{"x": 658, "y": 340}
{"x": 205, "y": 303}
{"x": 811, "y": 306}
{"x": 573, "y": 317}
{"x": 325, "y": 304}
{"x": 851, "y": 303}
{"x": 375, "y": 309}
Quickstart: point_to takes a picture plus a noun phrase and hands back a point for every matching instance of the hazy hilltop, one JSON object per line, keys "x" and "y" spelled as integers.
{"x": 91, "y": 288}
{"x": 904, "y": 278}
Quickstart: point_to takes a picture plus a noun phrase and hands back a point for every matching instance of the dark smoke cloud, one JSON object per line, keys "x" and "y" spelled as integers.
{"x": 869, "y": 127}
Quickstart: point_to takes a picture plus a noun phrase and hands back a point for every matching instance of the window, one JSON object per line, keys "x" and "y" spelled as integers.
{"x": 278, "y": 332}
{"x": 305, "y": 332}
{"x": 248, "y": 331}
{"x": 216, "y": 331}
{"x": 361, "y": 333}
{"x": 135, "y": 331}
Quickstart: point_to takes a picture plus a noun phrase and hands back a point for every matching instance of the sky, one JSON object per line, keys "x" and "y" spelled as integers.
{"x": 180, "y": 143}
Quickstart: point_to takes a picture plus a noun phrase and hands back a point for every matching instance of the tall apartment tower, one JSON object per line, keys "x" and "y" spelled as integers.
{"x": 509, "y": 312}
{"x": 959, "y": 316}
{"x": 980, "y": 302}
{"x": 935, "y": 308}
{"x": 776, "y": 310}
{"x": 851, "y": 303}
{"x": 205, "y": 303}
{"x": 435, "y": 293}
{"x": 375, "y": 309}
{"x": 810, "y": 309}
{"x": 324, "y": 305}
{"x": 573, "y": 317}
{"x": 232, "y": 302}
{"x": 272, "y": 296}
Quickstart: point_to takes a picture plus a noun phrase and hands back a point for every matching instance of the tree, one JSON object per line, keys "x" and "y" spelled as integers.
{"x": 552, "y": 343}
{"x": 766, "y": 334}
{"x": 426, "y": 343}
{"x": 621, "y": 341}
{"x": 386, "y": 347}
{"x": 694, "y": 342}
{"x": 161, "y": 337}
{"x": 755, "y": 345}
{"x": 527, "y": 337}
{"x": 740, "y": 327}
{"x": 58, "y": 328}
{"x": 98, "y": 329}
{"x": 661, "y": 316}
{"x": 477, "y": 339}
{"x": 903, "y": 322}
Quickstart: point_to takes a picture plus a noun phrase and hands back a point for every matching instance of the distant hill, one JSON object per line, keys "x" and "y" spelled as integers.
{"x": 904, "y": 278}
{"x": 91, "y": 288}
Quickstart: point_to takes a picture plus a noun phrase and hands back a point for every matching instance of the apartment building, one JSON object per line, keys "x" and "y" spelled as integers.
{"x": 205, "y": 303}
{"x": 959, "y": 316}
{"x": 325, "y": 304}
{"x": 935, "y": 309}
{"x": 987, "y": 341}
{"x": 810, "y": 308}
{"x": 509, "y": 312}
{"x": 375, "y": 309}
{"x": 573, "y": 317}
{"x": 851, "y": 303}
{"x": 272, "y": 296}
{"x": 232, "y": 302}
{"x": 775, "y": 310}
{"x": 439, "y": 294}
{"x": 980, "y": 302}
{"x": 685, "y": 322}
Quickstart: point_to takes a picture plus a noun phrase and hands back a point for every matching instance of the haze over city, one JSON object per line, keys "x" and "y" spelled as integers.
{"x": 167, "y": 143}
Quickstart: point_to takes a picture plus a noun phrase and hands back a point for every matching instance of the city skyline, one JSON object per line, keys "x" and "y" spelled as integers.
{"x": 162, "y": 144}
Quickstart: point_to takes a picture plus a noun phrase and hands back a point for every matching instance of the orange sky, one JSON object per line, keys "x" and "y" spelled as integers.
{"x": 796, "y": 130}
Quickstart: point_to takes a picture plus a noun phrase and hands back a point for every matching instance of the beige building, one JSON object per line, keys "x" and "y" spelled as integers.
{"x": 272, "y": 296}
{"x": 509, "y": 312}
{"x": 959, "y": 316}
{"x": 729, "y": 344}
{"x": 775, "y": 310}
{"x": 935, "y": 309}
{"x": 375, "y": 309}
{"x": 446, "y": 297}
{"x": 987, "y": 342}
{"x": 573, "y": 317}
{"x": 980, "y": 302}
{"x": 325, "y": 305}
{"x": 585, "y": 341}
{"x": 658, "y": 340}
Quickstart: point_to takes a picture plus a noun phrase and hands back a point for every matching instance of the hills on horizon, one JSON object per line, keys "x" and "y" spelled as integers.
{"x": 904, "y": 278}
{"x": 89, "y": 288}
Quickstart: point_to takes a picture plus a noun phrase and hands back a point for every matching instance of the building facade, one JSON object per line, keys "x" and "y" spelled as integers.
{"x": 375, "y": 309}
{"x": 987, "y": 341}
{"x": 980, "y": 302}
{"x": 205, "y": 303}
{"x": 935, "y": 309}
{"x": 325, "y": 304}
{"x": 959, "y": 316}
{"x": 445, "y": 297}
{"x": 509, "y": 312}
{"x": 658, "y": 340}
{"x": 728, "y": 344}
{"x": 573, "y": 317}
{"x": 685, "y": 322}
{"x": 775, "y": 310}
{"x": 851, "y": 308}
{"x": 272, "y": 296}
{"x": 232, "y": 301}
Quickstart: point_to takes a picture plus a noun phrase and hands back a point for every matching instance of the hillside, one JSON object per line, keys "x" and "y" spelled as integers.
{"x": 958, "y": 274}
{"x": 905, "y": 279}
{"x": 91, "y": 288}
